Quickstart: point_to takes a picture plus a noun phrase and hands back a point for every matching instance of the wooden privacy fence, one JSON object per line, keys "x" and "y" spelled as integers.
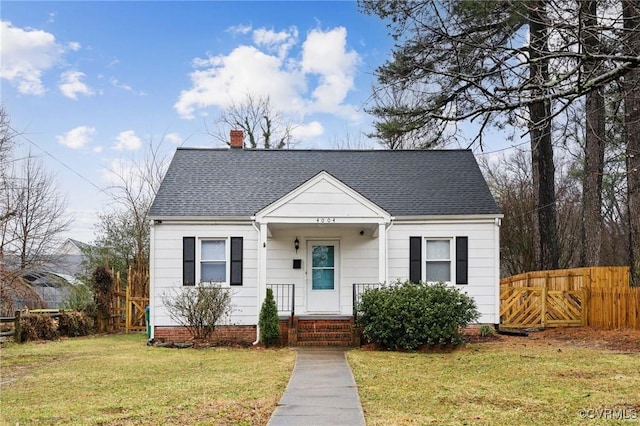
{"x": 129, "y": 304}
{"x": 616, "y": 307}
{"x": 598, "y": 296}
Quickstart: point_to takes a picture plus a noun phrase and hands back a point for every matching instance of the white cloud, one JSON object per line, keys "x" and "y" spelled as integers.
{"x": 325, "y": 54}
{"x": 74, "y": 45}
{"x": 228, "y": 79}
{"x": 78, "y": 137}
{"x": 307, "y": 131}
{"x": 71, "y": 84}
{"x": 115, "y": 83}
{"x": 316, "y": 79}
{"x": 174, "y": 138}
{"x": 98, "y": 149}
{"x": 128, "y": 141}
{"x": 25, "y": 54}
{"x": 239, "y": 29}
{"x": 280, "y": 42}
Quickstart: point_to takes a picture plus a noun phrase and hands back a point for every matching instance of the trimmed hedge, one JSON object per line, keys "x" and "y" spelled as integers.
{"x": 38, "y": 327}
{"x": 45, "y": 327}
{"x": 74, "y": 324}
{"x": 409, "y": 315}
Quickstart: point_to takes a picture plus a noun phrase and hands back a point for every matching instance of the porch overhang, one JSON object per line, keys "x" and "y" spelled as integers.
{"x": 321, "y": 202}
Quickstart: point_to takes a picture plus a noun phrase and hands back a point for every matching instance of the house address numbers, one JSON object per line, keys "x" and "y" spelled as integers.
{"x": 325, "y": 220}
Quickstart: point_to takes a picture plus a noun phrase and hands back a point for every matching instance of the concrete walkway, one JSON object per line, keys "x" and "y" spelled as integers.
{"x": 321, "y": 391}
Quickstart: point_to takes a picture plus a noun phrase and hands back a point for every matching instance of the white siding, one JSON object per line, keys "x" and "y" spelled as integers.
{"x": 166, "y": 267}
{"x": 483, "y": 255}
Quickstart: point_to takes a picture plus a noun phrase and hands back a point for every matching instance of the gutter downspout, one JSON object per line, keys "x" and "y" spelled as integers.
{"x": 260, "y": 248}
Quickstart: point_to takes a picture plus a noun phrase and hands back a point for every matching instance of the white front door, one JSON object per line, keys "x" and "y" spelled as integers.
{"x": 323, "y": 276}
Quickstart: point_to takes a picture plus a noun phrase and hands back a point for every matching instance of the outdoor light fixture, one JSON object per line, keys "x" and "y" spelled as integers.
{"x": 296, "y": 244}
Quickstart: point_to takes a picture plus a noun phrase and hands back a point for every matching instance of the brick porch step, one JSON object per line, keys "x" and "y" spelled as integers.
{"x": 324, "y": 332}
{"x": 341, "y": 343}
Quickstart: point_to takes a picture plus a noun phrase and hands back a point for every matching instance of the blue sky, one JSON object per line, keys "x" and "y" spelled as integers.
{"x": 88, "y": 84}
{"x": 91, "y": 83}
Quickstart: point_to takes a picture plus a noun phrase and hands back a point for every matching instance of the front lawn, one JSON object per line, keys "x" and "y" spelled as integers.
{"x": 512, "y": 381}
{"x": 118, "y": 380}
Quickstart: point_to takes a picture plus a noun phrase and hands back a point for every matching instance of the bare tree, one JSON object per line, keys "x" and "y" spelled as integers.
{"x": 34, "y": 215}
{"x": 631, "y": 85}
{"x": 8, "y": 208}
{"x": 122, "y": 240}
{"x": 510, "y": 181}
{"x": 541, "y": 145}
{"x": 263, "y": 126}
{"x": 595, "y": 139}
{"x": 41, "y": 214}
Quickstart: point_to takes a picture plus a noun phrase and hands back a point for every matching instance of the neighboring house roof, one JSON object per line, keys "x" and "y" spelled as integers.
{"x": 69, "y": 257}
{"x": 241, "y": 182}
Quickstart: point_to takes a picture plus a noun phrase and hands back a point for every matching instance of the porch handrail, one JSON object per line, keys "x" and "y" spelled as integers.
{"x": 285, "y": 297}
{"x": 358, "y": 289}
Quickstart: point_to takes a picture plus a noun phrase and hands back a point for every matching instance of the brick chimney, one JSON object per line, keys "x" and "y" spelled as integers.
{"x": 236, "y": 139}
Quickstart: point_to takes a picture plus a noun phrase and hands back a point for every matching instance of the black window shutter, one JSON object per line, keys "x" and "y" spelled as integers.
{"x": 189, "y": 261}
{"x": 415, "y": 259}
{"x": 462, "y": 260}
{"x": 236, "y": 261}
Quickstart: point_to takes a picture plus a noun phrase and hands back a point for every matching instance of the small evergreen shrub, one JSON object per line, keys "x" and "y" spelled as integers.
{"x": 408, "y": 315}
{"x": 268, "y": 322}
{"x": 73, "y": 324}
{"x": 38, "y": 327}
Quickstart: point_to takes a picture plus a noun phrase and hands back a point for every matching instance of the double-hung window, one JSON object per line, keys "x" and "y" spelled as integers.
{"x": 213, "y": 261}
{"x": 444, "y": 259}
{"x": 438, "y": 260}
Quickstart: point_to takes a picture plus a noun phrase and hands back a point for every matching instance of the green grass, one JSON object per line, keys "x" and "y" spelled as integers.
{"x": 118, "y": 380}
{"x": 496, "y": 384}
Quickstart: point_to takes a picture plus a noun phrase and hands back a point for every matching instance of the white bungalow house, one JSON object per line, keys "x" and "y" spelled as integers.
{"x": 318, "y": 226}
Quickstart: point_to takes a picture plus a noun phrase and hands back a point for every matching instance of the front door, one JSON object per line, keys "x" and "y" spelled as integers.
{"x": 323, "y": 276}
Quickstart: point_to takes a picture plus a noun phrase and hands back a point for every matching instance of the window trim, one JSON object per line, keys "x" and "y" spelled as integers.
{"x": 199, "y": 260}
{"x": 451, "y": 259}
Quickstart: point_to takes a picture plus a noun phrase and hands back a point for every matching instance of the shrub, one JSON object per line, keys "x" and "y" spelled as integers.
{"x": 73, "y": 324}
{"x": 198, "y": 309}
{"x": 486, "y": 330}
{"x": 408, "y": 315}
{"x": 268, "y": 322}
{"x": 103, "y": 291}
{"x": 38, "y": 327}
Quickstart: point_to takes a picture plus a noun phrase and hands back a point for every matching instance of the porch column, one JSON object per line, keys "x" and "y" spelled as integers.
{"x": 262, "y": 267}
{"x": 382, "y": 252}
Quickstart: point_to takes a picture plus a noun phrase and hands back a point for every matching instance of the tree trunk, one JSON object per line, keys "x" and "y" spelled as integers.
{"x": 594, "y": 145}
{"x": 631, "y": 13}
{"x": 541, "y": 147}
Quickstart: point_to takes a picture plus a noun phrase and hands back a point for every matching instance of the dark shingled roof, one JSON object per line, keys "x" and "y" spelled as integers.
{"x": 241, "y": 182}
